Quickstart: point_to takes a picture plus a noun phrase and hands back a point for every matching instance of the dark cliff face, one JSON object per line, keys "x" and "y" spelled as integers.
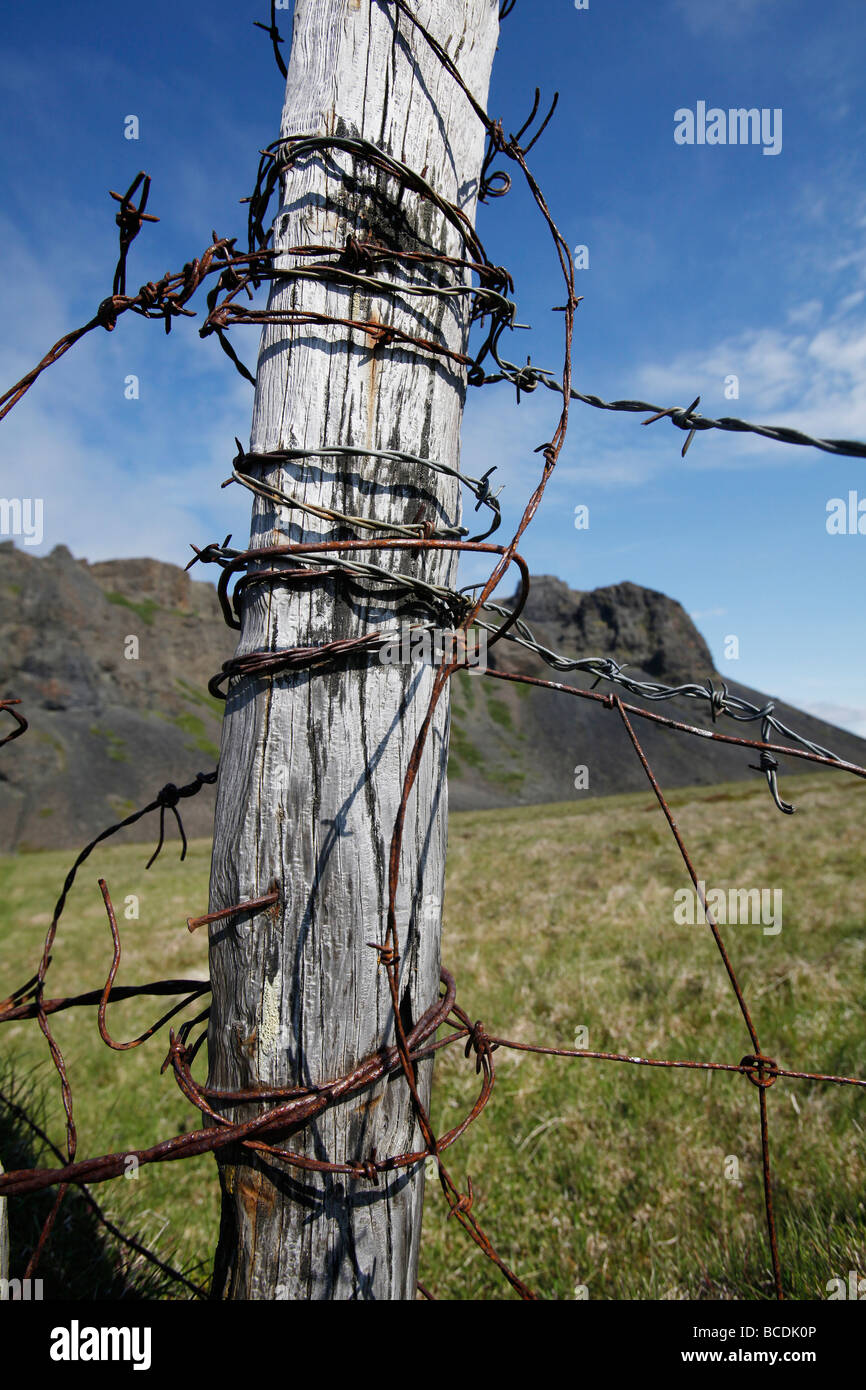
{"x": 112, "y": 660}
{"x": 111, "y": 663}
{"x": 516, "y": 744}
{"x": 636, "y": 626}
{"x": 64, "y": 624}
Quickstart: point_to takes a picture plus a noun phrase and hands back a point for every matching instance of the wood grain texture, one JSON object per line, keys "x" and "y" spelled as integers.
{"x": 4, "y": 1241}
{"x": 312, "y": 766}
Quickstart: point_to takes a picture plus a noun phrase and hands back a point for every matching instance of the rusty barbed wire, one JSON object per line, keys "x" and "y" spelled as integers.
{"x": 355, "y": 265}
{"x": 165, "y": 299}
{"x": 33, "y": 990}
{"x": 8, "y": 707}
{"x": 19, "y": 1113}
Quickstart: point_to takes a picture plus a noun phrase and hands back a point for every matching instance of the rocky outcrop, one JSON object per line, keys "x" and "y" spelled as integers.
{"x": 111, "y": 663}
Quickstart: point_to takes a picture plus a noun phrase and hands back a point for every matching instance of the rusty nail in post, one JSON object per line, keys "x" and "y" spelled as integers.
{"x": 252, "y": 906}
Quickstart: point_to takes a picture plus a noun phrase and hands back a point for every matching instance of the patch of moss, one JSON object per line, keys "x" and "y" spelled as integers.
{"x": 41, "y": 736}
{"x": 194, "y": 726}
{"x": 189, "y": 723}
{"x": 510, "y": 781}
{"x": 463, "y": 686}
{"x": 195, "y": 696}
{"x": 499, "y": 712}
{"x": 466, "y": 752}
{"x": 144, "y": 610}
{"x": 115, "y": 745}
{"x": 204, "y": 745}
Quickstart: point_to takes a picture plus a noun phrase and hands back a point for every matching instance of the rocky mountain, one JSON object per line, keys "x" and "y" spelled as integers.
{"x": 512, "y": 743}
{"x": 111, "y": 662}
{"x": 110, "y": 723}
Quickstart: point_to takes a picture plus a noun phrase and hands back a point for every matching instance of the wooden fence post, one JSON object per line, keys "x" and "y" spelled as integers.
{"x": 4, "y": 1244}
{"x": 312, "y": 762}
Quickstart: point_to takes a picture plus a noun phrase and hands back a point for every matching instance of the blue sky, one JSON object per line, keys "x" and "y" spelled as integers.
{"x": 705, "y": 261}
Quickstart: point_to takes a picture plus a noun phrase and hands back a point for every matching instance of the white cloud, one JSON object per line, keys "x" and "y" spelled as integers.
{"x": 845, "y": 716}
{"x": 809, "y": 374}
{"x": 809, "y": 312}
{"x": 117, "y": 478}
{"x": 103, "y": 507}
{"x": 812, "y": 381}
{"x": 721, "y": 16}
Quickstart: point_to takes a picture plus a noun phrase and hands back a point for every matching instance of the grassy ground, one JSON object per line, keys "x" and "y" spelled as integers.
{"x": 633, "y": 1182}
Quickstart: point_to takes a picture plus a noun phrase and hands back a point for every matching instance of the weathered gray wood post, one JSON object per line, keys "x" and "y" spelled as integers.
{"x": 312, "y": 764}
{"x": 4, "y": 1244}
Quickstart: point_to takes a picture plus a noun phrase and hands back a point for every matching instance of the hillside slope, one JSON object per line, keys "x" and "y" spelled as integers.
{"x": 518, "y": 744}
{"x": 108, "y": 731}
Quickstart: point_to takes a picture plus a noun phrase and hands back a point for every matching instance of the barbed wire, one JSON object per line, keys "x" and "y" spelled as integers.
{"x": 528, "y": 377}
{"x": 164, "y": 299}
{"x": 421, "y": 526}
{"x": 275, "y": 37}
{"x": 240, "y": 273}
{"x": 355, "y": 265}
{"x": 32, "y": 992}
{"x": 22, "y": 1115}
{"x": 8, "y": 707}
{"x": 719, "y": 700}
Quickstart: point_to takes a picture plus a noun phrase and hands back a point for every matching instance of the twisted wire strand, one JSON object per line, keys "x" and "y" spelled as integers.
{"x": 720, "y": 701}
{"x": 479, "y": 487}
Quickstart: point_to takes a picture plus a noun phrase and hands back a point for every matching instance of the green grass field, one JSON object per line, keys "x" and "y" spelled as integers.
{"x": 594, "y": 1173}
